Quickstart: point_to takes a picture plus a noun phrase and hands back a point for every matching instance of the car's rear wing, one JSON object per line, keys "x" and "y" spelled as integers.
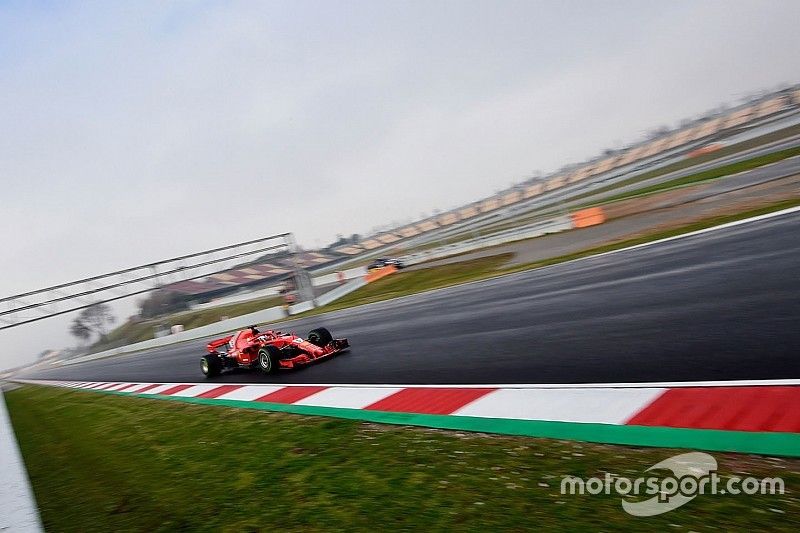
{"x": 213, "y": 345}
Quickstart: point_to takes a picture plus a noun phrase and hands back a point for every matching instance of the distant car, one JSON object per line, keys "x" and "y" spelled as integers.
{"x": 269, "y": 351}
{"x": 384, "y": 262}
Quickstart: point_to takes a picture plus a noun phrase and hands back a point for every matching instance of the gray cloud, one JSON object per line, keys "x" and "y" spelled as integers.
{"x": 136, "y": 132}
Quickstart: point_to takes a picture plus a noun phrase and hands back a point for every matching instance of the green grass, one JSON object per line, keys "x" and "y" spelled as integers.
{"x": 404, "y": 283}
{"x": 104, "y": 462}
{"x": 136, "y": 331}
{"x": 142, "y": 330}
{"x": 664, "y": 234}
{"x": 409, "y": 282}
{"x": 711, "y": 174}
{"x": 699, "y": 177}
{"x": 733, "y": 149}
{"x": 194, "y": 319}
{"x": 705, "y": 175}
{"x": 128, "y": 332}
{"x": 674, "y": 167}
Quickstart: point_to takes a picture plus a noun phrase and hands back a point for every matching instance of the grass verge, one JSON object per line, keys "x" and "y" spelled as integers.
{"x": 699, "y": 160}
{"x": 658, "y": 235}
{"x": 705, "y": 175}
{"x": 142, "y": 330}
{"x": 102, "y": 462}
{"x": 406, "y": 283}
{"x": 699, "y": 177}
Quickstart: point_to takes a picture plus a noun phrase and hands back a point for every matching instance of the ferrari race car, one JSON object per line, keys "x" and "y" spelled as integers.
{"x": 269, "y": 350}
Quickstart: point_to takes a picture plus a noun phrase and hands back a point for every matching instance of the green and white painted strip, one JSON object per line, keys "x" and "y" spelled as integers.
{"x": 748, "y": 416}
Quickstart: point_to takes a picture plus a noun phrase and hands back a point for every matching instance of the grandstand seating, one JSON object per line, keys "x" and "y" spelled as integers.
{"x": 606, "y": 164}
{"x": 632, "y": 155}
{"x": 490, "y": 204}
{"x": 371, "y": 244}
{"x": 737, "y": 118}
{"x": 467, "y": 212}
{"x": 447, "y": 219}
{"x": 349, "y": 250}
{"x": 511, "y": 198}
{"x": 555, "y": 183}
{"x": 532, "y": 190}
{"x": 707, "y": 128}
{"x": 578, "y": 175}
{"x": 771, "y": 106}
{"x": 408, "y": 231}
{"x": 251, "y": 275}
{"x": 427, "y": 225}
{"x": 387, "y": 238}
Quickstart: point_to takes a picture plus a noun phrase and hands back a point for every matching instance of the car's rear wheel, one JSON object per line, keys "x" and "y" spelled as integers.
{"x": 268, "y": 358}
{"x": 211, "y": 365}
{"x": 320, "y": 336}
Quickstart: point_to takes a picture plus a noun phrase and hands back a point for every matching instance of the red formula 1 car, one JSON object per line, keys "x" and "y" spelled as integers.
{"x": 269, "y": 350}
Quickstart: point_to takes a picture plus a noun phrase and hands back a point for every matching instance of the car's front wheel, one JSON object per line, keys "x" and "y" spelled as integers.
{"x": 211, "y": 365}
{"x": 320, "y": 337}
{"x": 268, "y": 358}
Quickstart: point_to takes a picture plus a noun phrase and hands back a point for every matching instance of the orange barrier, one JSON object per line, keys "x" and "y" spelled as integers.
{"x": 707, "y": 149}
{"x": 379, "y": 273}
{"x": 588, "y": 217}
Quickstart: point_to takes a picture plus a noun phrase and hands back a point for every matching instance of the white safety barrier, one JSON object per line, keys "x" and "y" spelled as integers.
{"x": 318, "y": 281}
{"x": 553, "y": 225}
{"x": 217, "y": 328}
{"x": 19, "y": 506}
{"x": 223, "y": 326}
{"x": 302, "y": 307}
{"x": 340, "y": 291}
{"x": 338, "y": 277}
{"x": 238, "y": 297}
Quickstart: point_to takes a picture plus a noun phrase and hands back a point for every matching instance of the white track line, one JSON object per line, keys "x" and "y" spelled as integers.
{"x": 726, "y": 225}
{"x": 19, "y": 506}
{"x": 599, "y": 406}
{"x": 627, "y": 385}
{"x": 288, "y": 322}
{"x": 696, "y": 232}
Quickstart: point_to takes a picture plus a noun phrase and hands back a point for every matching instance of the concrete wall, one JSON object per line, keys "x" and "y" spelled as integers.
{"x": 217, "y": 328}
{"x": 553, "y": 225}
{"x": 340, "y": 291}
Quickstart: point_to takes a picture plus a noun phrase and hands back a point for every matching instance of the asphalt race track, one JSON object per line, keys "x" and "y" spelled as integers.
{"x": 722, "y": 305}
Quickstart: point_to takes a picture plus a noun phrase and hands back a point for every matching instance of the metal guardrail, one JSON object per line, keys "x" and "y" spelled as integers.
{"x": 340, "y": 291}
{"x": 544, "y": 227}
{"x": 104, "y": 288}
{"x": 223, "y": 326}
{"x": 242, "y": 321}
{"x": 561, "y": 198}
{"x": 553, "y": 225}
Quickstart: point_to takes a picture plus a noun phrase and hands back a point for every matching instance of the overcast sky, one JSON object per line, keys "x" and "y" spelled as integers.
{"x": 132, "y": 132}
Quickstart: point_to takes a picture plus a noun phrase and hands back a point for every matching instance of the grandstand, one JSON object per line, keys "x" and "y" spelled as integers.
{"x": 706, "y": 130}
{"x": 270, "y": 271}
{"x": 250, "y": 276}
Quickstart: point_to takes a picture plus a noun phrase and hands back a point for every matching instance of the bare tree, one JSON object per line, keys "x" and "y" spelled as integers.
{"x": 161, "y": 303}
{"x": 94, "y": 319}
{"x": 78, "y": 329}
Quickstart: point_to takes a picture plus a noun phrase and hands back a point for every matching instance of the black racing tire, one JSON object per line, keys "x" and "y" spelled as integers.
{"x": 211, "y": 365}
{"x": 320, "y": 336}
{"x": 268, "y": 358}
